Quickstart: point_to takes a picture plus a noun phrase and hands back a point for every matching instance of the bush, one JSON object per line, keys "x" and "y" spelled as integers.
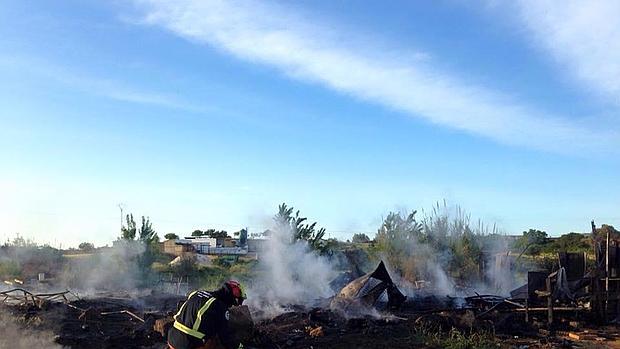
{"x": 86, "y": 246}
{"x": 572, "y": 242}
{"x": 360, "y": 238}
{"x": 211, "y": 278}
{"x": 243, "y": 271}
{"x": 444, "y": 239}
{"x": 9, "y": 269}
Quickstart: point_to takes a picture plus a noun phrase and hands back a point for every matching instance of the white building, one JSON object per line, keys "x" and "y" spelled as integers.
{"x": 201, "y": 244}
{"x": 206, "y": 245}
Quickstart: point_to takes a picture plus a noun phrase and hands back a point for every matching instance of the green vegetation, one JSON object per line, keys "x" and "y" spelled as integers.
{"x": 435, "y": 334}
{"x": 9, "y": 269}
{"x": 456, "y": 339}
{"x": 212, "y": 276}
{"x": 536, "y": 242}
{"x": 23, "y": 258}
{"x": 533, "y": 242}
{"x": 300, "y": 229}
{"x": 572, "y": 242}
{"x": 360, "y": 238}
{"x": 444, "y": 237}
{"x": 146, "y": 236}
{"x": 395, "y": 239}
{"x": 601, "y": 233}
{"x": 211, "y": 233}
{"x": 171, "y": 236}
{"x": 86, "y": 246}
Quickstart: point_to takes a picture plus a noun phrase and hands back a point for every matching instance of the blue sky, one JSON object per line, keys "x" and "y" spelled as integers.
{"x": 210, "y": 113}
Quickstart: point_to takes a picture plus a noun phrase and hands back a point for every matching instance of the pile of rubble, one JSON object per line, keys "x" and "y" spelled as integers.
{"x": 101, "y": 321}
{"x": 320, "y": 328}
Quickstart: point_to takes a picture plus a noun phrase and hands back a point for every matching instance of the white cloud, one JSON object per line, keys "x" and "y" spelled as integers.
{"x": 582, "y": 36}
{"x": 283, "y": 39}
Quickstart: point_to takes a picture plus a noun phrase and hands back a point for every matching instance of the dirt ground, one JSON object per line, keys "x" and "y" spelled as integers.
{"x": 443, "y": 330}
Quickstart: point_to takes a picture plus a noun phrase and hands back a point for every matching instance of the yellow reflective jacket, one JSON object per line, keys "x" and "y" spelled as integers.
{"x": 200, "y": 318}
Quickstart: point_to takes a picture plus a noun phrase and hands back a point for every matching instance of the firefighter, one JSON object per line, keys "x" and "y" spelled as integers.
{"x": 202, "y": 321}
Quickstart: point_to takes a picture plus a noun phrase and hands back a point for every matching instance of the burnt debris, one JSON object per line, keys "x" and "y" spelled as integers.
{"x": 366, "y": 291}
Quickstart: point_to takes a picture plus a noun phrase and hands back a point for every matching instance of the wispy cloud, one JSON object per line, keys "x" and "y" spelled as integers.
{"x": 103, "y": 87}
{"x": 311, "y": 51}
{"x": 583, "y": 36}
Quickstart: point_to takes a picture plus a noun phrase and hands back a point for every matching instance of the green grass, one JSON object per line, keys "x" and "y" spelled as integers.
{"x": 455, "y": 339}
{"x": 9, "y": 269}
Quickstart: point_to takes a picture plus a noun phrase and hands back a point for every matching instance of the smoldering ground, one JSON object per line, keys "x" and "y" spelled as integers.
{"x": 15, "y": 336}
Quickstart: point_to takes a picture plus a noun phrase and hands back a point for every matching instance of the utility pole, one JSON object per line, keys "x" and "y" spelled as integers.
{"x": 120, "y": 206}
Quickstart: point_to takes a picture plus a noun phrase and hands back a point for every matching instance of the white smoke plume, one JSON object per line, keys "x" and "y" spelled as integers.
{"x": 111, "y": 269}
{"x": 502, "y": 274}
{"x": 289, "y": 273}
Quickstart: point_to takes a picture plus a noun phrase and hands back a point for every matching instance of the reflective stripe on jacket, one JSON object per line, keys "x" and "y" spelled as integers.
{"x": 192, "y": 323}
{"x": 203, "y": 317}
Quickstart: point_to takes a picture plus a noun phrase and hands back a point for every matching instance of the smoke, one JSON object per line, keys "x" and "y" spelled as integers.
{"x": 419, "y": 267}
{"x": 111, "y": 269}
{"x": 443, "y": 251}
{"x": 14, "y": 336}
{"x": 440, "y": 278}
{"x": 502, "y": 275}
{"x": 23, "y": 259}
{"x": 289, "y": 273}
{"x": 117, "y": 268}
{"x": 415, "y": 252}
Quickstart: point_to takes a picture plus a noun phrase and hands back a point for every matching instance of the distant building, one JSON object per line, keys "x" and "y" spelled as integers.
{"x": 228, "y": 251}
{"x": 204, "y": 245}
{"x": 201, "y": 244}
{"x": 256, "y": 245}
{"x": 175, "y": 248}
{"x": 225, "y": 242}
{"x": 230, "y": 242}
{"x": 219, "y": 242}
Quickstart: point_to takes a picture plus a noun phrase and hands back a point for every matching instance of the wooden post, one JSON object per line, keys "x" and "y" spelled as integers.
{"x": 607, "y": 275}
{"x": 596, "y": 281}
{"x": 593, "y": 296}
{"x": 527, "y": 311}
{"x": 549, "y": 302}
{"x": 617, "y": 298}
